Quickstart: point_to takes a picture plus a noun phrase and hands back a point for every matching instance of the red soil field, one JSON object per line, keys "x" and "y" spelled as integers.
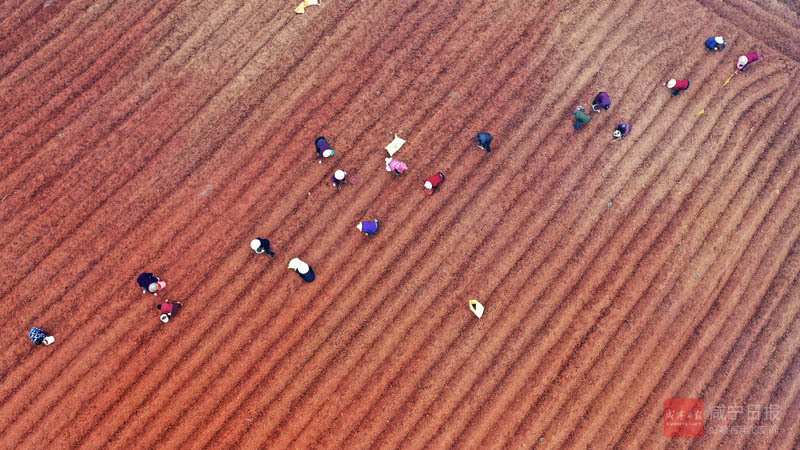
{"x": 164, "y": 135}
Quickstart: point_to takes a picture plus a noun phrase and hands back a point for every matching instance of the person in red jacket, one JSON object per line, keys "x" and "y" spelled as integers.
{"x": 677, "y": 85}
{"x": 168, "y": 310}
{"x": 433, "y": 182}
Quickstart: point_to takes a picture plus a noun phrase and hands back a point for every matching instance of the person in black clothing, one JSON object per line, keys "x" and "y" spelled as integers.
{"x": 261, "y": 245}
{"x": 484, "y": 141}
{"x": 148, "y": 282}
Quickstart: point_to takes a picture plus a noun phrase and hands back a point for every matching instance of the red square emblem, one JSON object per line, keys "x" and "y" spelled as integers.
{"x": 683, "y": 417}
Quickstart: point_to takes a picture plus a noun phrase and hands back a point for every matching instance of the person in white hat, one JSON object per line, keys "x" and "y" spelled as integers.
{"x": 716, "y": 43}
{"x": 261, "y": 245}
{"x": 677, "y": 85}
{"x": 302, "y": 269}
{"x": 338, "y": 178}
{"x": 744, "y": 61}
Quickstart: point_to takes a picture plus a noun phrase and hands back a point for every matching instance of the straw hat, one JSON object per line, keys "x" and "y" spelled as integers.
{"x": 671, "y": 83}
{"x": 339, "y": 174}
{"x": 255, "y": 244}
{"x": 428, "y": 185}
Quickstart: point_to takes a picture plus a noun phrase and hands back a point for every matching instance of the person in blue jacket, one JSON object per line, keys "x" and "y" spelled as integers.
{"x": 716, "y": 43}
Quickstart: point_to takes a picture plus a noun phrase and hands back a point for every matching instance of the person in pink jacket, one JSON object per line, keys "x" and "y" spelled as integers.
{"x": 395, "y": 165}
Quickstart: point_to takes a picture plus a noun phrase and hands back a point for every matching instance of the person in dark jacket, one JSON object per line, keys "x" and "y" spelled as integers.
{"x": 622, "y": 130}
{"x": 338, "y": 178}
{"x": 39, "y": 336}
{"x": 484, "y": 141}
{"x": 716, "y": 43}
{"x": 261, "y": 245}
{"x": 581, "y": 118}
{"x": 149, "y": 283}
{"x": 602, "y": 100}
{"x": 302, "y": 269}
{"x": 323, "y": 148}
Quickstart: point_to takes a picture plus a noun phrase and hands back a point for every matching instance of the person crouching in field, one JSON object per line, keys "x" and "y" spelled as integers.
{"x": 716, "y": 44}
{"x": 369, "y": 227}
{"x": 168, "y": 310}
{"x": 338, "y": 178}
{"x": 261, "y": 245}
{"x": 581, "y": 118}
{"x": 302, "y": 269}
{"x": 150, "y": 283}
{"x": 677, "y": 86}
{"x": 433, "y": 182}
{"x": 324, "y": 149}
{"x": 602, "y": 100}
{"x": 39, "y": 336}
{"x": 484, "y": 141}
{"x": 395, "y": 165}
{"x": 745, "y": 60}
{"x": 622, "y": 130}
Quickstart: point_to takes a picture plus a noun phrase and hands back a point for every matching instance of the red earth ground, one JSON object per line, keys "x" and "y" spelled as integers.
{"x": 163, "y": 135}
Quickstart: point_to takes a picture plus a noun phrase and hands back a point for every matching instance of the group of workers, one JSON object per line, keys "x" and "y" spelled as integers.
{"x": 150, "y": 283}
{"x": 602, "y": 100}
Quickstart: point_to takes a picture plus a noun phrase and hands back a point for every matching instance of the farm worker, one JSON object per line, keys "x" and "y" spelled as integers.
{"x": 622, "y": 130}
{"x": 395, "y": 164}
{"x": 484, "y": 141}
{"x": 338, "y": 178}
{"x": 368, "y": 227}
{"x": 39, "y": 336}
{"x": 433, "y": 182}
{"x": 150, "y": 283}
{"x": 602, "y": 100}
{"x": 168, "y": 310}
{"x": 261, "y": 245}
{"x": 745, "y": 60}
{"x": 716, "y": 43}
{"x": 581, "y": 118}
{"x": 302, "y": 269}
{"x": 677, "y": 85}
{"x": 323, "y": 148}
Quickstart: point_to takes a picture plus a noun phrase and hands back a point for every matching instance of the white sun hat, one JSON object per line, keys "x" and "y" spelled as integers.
{"x": 153, "y": 287}
{"x": 742, "y": 61}
{"x": 671, "y": 83}
{"x": 428, "y": 185}
{"x": 255, "y": 244}
{"x": 358, "y": 226}
{"x": 164, "y": 318}
{"x": 339, "y": 174}
{"x": 48, "y": 340}
{"x": 719, "y": 40}
{"x": 298, "y": 265}
{"x": 327, "y": 153}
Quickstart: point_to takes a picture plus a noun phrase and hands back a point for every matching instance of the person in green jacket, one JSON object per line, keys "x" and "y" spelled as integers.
{"x": 581, "y": 118}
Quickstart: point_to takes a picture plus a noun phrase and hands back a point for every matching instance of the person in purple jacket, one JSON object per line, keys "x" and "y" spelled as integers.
{"x": 368, "y": 227}
{"x": 602, "y": 100}
{"x": 622, "y": 130}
